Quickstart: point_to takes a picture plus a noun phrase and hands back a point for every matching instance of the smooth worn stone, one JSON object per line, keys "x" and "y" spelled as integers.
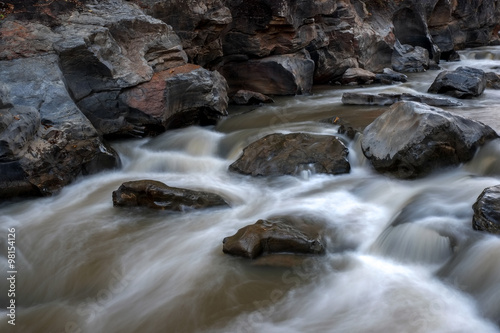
{"x": 357, "y": 76}
{"x": 389, "y": 99}
{"x": 275, "y": 235}
{"x": 412, "y": 139}
{"x": 289, "y": 154}
{"x": 487, "y": 211}
{"x": 464, "y": 82}
{"x": 389, "y": 76}
{"x": 157, "y": 195}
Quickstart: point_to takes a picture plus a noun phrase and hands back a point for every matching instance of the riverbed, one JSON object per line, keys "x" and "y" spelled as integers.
{"x": 403, "y": 256}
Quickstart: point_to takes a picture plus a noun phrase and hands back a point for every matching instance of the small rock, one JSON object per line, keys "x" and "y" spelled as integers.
{"x": 487, "y": 211}
{"x": 275, "y": 235}
{"x": 247, "y": 97}
{"x": 357, "y": 76}
{"x": 157, "y": 195}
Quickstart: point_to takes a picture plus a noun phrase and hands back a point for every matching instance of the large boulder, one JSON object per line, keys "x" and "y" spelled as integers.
{"x": 464, "y": 82}
{"x": 180, "y": 97}
{"x": 45, "y": 140}
{"x": 275, "y": 75}
{"x": 487, "y": 211}
{"x": 289, "y": 154}
{"x": 276, "y": 235}
{"x": 157, "y": 195}
{"x": 411, "y": 140}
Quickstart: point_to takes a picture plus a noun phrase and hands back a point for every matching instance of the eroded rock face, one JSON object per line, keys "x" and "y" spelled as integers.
{"x": 157, "y": 195}
{"x": 412, "y": 139}
{"x": 289, "y": 154}
{"x": 46, "y": 141}
{"x": 276, "y": 235}
{"x": 464, "y": 82}
{"x": 274, "y": 75}
{"x": 487, "y": 211}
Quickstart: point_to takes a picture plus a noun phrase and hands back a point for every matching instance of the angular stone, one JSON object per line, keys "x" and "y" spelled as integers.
{"x": 411, "y": 140}
{"x": 275, "y": 235}
{"x": 410, "y": 59}
{"x": 487, "y": 211}
{"x": 289, "y": 154}
{"x": 464, "y": 82}
{"x": 157, "y": 195}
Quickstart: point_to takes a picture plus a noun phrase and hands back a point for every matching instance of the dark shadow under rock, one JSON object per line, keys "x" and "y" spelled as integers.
{"x": 157, "y": 195}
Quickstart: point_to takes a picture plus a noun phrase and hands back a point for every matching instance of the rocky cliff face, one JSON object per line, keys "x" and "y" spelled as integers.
{"x": 76, "y": 72}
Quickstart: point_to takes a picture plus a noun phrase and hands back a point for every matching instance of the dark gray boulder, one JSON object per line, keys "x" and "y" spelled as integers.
{"x": 464, "y": 82}
{"x": 389, "y": 76}
{"x": 276, "y": 235}
{"x": 157, "y": 195}
{"x": 487, "y": 211}
{"x": 289, "y": 154}
{"x": 410, "y": 59}
{"x": 389, "y": 99}
{"x": 412, "y": 139}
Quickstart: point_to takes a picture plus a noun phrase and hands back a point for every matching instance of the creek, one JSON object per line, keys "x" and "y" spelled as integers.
{"x": 403, "y": 258}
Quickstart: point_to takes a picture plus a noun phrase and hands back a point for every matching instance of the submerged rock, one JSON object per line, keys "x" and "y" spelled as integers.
{"x": 275, "y": 235}
{"x": 389, "y": 99}
{"x": 411, "y": 140}
{"x": 464, "y": 82}
{"x": 289, "y": 154}
{"x": 487, "y": 211}
{"x": 157, "y": 195}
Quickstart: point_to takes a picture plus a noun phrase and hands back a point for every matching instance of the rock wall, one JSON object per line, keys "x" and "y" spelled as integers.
{"x": 74, "y": 73}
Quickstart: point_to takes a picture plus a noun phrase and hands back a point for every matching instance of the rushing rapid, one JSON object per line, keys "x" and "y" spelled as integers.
{"x": 402, "y": 255}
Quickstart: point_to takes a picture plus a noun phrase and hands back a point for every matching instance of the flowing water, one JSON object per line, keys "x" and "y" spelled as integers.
{"x": 403, "y": 258}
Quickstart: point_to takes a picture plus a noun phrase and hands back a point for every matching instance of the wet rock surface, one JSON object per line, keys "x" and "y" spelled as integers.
{"x": 276, "y": 235}
{"x": 157, "y": 195}
{"x": 289, "y": 154}
{"x": 411, "y": 140}
{"x": 464, "y": 82}
{"x": 389, "y": 99}
{"x": 487, "y": 211}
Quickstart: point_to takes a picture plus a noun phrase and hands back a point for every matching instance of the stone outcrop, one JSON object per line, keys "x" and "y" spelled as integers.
{"x": 389, "y": 99}
{"x": 276, "y": 235}
{"x": 464, "y": 82}
{"x": 487, "y": 211}
{"x": 46, "y": 141}
{"x": 157, "y": 195}
{"x": 289, "y": 154}
{"x": 411, "y": 140}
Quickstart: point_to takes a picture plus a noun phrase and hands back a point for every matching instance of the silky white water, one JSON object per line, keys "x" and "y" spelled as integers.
{"x": 401, "y": 256}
